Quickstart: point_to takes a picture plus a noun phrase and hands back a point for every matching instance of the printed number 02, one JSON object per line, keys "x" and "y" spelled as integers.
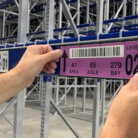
{"x": 130, "y": 61}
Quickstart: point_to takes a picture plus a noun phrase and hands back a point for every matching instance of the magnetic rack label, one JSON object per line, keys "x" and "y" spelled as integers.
{"x": 110, "y": 60}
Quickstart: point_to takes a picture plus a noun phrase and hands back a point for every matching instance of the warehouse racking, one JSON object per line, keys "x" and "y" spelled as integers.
{"x": 24, "y": 23}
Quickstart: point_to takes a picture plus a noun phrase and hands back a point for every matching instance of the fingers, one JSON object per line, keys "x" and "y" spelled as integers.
{"x": 52, "y": 65}
{"x": 51, "y": 56}
{"x": 46, "y": 57}
{"x": 49, "y": 71}
{"x": 49, "y": 48}
{"x": 50, "y": 68}
{"x": 57, "y": 60}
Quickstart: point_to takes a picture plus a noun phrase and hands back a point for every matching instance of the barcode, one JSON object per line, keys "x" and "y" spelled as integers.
{"x": 97, "y": 52}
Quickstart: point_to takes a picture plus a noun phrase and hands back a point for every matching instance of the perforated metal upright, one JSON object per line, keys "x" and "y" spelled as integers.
{"x": 99, "y": 25}
{"x": 45, "y": 107}
{"x": 23, "y": 28}
{"x": 106, "y": 13}
{"x": 60, "y": 18}
{"x": 47, "y": 83}
{"x": 96, "y": 109}
{"x": 75, "y": 11}
{"x": 3, "y": 25}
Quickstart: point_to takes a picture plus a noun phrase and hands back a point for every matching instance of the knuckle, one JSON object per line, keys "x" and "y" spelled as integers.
{"x": 48, "y": 45}
{"x": 52, "y": 54}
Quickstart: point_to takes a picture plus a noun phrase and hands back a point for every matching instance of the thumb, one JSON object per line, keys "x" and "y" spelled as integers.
{"x": 133, "y": 83}
{"x": 51, "y": 56}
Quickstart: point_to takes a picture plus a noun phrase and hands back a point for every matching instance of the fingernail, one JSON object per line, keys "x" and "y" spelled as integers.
{"x": 55, "y": 66}
{"x": 59, "y": 52}
{"x": 53, "y": 71}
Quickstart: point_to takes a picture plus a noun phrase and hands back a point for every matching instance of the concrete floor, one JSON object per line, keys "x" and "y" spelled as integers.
{"x": 82, "y": 122}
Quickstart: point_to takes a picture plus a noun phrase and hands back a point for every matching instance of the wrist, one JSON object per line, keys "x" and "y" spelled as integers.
{"x": 18, "y": 77}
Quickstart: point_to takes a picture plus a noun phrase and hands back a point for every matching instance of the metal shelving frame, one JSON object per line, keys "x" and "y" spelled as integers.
{"x": 33, "y": 21}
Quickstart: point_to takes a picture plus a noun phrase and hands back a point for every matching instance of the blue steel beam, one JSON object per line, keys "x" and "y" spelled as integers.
{"x": 107, "y": 36}
{"x": 91, "y": 32}
{"x": 121, "y": 19}
{"x": 6, "y": 3}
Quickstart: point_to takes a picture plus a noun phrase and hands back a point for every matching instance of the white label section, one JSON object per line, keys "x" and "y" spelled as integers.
{"x": 4, "y": 61}
{"x": 97, "y": 52}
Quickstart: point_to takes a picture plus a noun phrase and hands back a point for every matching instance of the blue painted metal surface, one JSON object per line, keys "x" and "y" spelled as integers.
{"x": 19, "y": 45}
{"x": 41, "y": 42}
{"x": 47, "y": 78}
{"x": 16, "y": 54}
{"x": 55, "y": 41}
{"x": 109, "y": 35}
{"x": 9, "y": 45}
{"x": 14, "y": 57}
{"x": 86, "y": 38}
{"x": 74, "y": 39}
{"x": 6, "y": 3}
{"x": 1, "y": 47}
{"x": 130, "y": 33}
{"x": 29, "y": 43}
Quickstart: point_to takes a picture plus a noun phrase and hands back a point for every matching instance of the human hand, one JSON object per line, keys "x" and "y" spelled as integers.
{"x": 122, "y": 121}
{"x": 36, "y": 59}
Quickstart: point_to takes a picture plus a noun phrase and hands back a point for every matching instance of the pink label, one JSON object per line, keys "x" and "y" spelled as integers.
{"x": 110, "y": 60}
